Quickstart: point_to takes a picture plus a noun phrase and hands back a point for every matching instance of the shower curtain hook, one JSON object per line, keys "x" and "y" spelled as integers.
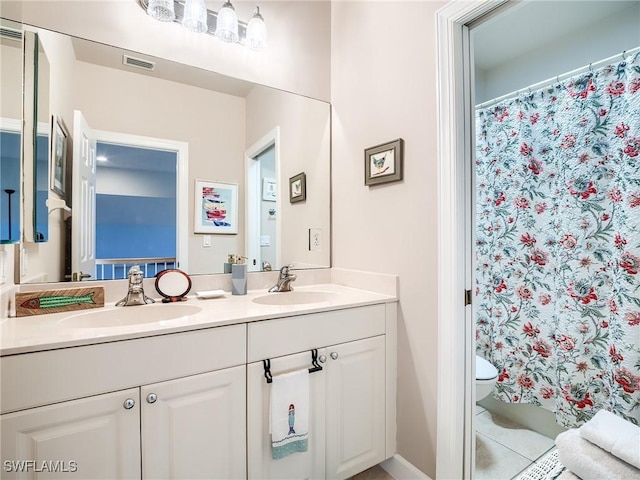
{"x": 623, "y": 54}
{"x": 590, "y": 69}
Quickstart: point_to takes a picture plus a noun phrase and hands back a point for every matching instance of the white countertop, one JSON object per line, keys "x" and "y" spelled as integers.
{"x": 47, "y": 332}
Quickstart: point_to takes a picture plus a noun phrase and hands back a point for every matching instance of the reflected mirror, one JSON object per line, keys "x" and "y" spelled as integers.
{"x": 142, "y": 133}
{"x": 41, "y": 146}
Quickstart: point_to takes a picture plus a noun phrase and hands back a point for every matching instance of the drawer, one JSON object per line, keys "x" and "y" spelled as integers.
{"x": 274, "y": 338}
{"x": 34, "y": 379}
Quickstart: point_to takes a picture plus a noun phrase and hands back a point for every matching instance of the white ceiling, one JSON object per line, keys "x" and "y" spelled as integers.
{"x": 528, "y": 25}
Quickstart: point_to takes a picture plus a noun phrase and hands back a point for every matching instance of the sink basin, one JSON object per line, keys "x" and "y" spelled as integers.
{"x": 293, "y": 298}
{"x": 134, "y": 315}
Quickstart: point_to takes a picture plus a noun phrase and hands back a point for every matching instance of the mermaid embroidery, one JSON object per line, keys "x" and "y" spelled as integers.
{"x": 292, "y": 418}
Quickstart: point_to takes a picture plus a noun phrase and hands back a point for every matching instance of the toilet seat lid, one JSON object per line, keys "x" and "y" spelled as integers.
{"x": 484, "y": 370}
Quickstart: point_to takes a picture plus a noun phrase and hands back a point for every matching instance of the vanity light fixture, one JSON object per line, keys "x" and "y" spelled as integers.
{"x": 256, "y": 32}
{"x": 195, "y": 17}
{"x": 227, "y": 24}
{"x": 161, "y": 10}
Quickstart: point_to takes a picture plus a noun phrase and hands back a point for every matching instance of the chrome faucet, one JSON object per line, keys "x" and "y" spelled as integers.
{"x": 135, "y": 295}
{"x": 284, "y": 280}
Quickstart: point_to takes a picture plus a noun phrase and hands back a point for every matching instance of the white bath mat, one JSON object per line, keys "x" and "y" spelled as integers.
{"x": 547, "y": 468}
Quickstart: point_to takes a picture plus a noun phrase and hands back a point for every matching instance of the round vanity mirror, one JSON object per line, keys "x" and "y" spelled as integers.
{"x": 173, "y": 285}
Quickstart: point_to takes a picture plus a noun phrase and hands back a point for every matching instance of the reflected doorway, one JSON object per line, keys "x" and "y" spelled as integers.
{"x": 138, "y": 175}
{"x": 136, "y": 201}
{"x": 264, "y": 199}
{"x": 10, "y": 182}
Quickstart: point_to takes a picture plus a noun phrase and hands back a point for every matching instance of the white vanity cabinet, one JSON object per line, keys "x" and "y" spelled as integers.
{"x": 195, "y": 404}
{"x": 355, "y": 404}
{"x": 183, "y": 418}
{"x": 90, "y": 438}
{"x": 310, "y": 464}
{"x": 195, "y": 427}
{"x": 352, "y": 408}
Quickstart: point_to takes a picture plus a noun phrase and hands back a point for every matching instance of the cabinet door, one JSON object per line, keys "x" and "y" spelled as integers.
{"x": 94, "y": 437}
{"x": 195, "y": 427}
{"x": 304, "y": 465}
{"x": 355, "y": 406}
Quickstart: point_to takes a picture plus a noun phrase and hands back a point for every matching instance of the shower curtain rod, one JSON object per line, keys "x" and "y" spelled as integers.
{"x": 550, "y": 81}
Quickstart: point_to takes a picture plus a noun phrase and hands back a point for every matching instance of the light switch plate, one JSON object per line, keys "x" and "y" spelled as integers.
{"x": 315, "y": 239}
{"x": 206, "y": 241}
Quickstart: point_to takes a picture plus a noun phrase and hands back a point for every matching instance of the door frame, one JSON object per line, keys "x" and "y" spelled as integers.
{"x": 182, "y": 182}
{"x": 456, "y": 360}
{"x": 254, "y": 198}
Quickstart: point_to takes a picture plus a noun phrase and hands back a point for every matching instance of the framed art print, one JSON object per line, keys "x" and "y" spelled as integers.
{"x": 383, "y": 163}
{"x": 58, "y": 157}
{"x": 216, "y": 207}
{"x": 298, "y": 188}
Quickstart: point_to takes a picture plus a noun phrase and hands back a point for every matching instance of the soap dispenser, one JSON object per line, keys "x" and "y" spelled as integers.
{"x": 239, "y": 277}
{"x": 230, "y": 261}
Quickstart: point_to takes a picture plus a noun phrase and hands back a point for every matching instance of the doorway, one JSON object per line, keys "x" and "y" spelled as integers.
{"x": 264, "y": 199}
{"x": 456, "y": 446}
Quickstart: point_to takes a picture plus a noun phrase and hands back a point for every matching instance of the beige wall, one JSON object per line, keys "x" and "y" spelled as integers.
{"x": 11, "y": 80}
{"x": 297, "y": 57}
{"x": 383, "y": 84}
{"x": 301, "y": 150}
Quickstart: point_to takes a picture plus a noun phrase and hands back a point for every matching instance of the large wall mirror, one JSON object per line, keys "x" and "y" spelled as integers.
{"x": 165, "y": 165}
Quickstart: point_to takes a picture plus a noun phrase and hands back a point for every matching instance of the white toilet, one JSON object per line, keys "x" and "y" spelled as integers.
{"x": 486, "y": 378}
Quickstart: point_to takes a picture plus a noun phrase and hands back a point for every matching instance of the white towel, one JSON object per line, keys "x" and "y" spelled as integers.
{"x": 615, "y": 435}
{"x": 628, "y": 449}
{"x": 290, "y": 413}
{"x": 590, "y": 462}
{"x": 568, "y": 475}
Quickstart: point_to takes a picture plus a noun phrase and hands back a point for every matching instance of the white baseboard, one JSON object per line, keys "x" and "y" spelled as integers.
{"x": 401, "y": 469}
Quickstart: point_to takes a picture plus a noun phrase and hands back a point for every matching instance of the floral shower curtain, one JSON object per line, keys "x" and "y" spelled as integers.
{"x": 558, "y": 244}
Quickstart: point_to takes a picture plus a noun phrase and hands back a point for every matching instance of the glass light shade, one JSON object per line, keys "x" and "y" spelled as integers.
{"x": 256, "y": 32}
{"x": 227, "y": 24}
{"x": 161, "y": 10}
{"x": 195, "y": 16}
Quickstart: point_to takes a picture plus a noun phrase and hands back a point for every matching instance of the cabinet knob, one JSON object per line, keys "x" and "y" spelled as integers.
{"x": 322, "y": 358}
{"x": 129, "y": 403}
{"x": 152, "y": 397}
{"x": 334, "y": 355}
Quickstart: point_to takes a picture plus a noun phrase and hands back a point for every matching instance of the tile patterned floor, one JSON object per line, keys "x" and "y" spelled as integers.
{"x": 503, "y": 448}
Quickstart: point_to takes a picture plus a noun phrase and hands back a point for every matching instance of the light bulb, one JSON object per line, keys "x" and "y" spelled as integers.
{"x": 256, "y": 32}
{"x": 195, "y": 16}
{"x": 227, "y": 24}
{"x": 161, "y": 10}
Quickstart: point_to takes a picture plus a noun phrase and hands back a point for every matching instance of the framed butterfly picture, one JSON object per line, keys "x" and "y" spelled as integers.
{"x": 383, "y": 163}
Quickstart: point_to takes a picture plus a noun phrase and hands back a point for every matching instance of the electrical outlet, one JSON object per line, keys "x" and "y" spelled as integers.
{"x": 315, "y": 239}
